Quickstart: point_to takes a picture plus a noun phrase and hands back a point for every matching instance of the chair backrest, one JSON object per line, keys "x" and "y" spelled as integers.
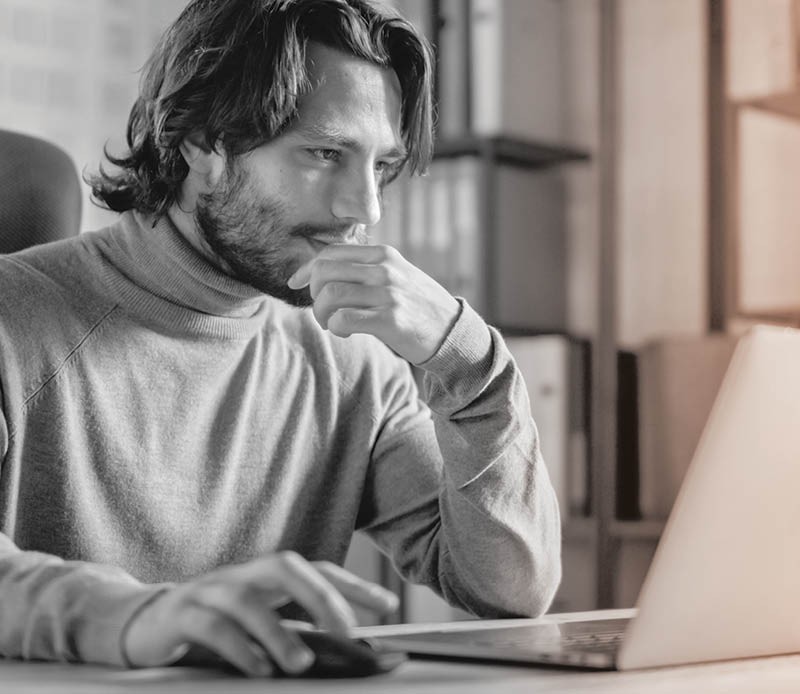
{"x": 40, "y": 192}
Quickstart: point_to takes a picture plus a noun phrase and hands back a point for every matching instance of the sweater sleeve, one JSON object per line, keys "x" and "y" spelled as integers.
{"x": 52, "y": 609}
{"x": 459, "y": 493}
{"x": 59, "y": 610}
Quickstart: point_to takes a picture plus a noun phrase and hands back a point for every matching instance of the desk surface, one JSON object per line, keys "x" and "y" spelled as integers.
{"x": 775, "y": 675}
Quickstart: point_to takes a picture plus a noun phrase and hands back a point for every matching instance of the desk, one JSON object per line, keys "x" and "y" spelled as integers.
{"x": 777, "y": 675}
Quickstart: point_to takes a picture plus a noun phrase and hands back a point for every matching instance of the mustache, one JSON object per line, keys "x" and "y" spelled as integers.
{"x": 344, "y": 232}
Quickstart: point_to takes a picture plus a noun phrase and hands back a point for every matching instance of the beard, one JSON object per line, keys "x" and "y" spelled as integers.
{"x": 250, "y": 232}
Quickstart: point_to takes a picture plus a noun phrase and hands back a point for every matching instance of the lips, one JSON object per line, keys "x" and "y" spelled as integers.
{"x": 327, "y": 239}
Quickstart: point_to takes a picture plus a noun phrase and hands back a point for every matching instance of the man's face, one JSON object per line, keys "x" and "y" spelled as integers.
{"x": 319, "y": 182}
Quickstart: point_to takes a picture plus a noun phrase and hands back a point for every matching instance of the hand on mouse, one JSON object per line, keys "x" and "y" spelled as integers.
{"x": 231, "y": 611}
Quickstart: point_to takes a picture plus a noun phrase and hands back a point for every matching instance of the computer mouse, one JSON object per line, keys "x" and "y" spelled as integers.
{"x": 339, "y": 656}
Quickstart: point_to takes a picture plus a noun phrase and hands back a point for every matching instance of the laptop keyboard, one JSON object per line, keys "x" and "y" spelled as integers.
{"x": 596, "y": 643}
{"x": 523, "y": 639}
{"x": 593, "y": 637}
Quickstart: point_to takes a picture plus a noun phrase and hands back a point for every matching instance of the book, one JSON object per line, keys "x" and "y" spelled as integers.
{"x": 509, "y": 261}
{"x": 516, "y": 67}
{"x": 528, "y": 250}
{"x": 544, "y": 362}
{"x": 761, "y": 48}
{"x": 452, "y": 73}
{"x": 768, "y": 213}
{"x": 465, "y": 192}
{"x": 679, "y": 378}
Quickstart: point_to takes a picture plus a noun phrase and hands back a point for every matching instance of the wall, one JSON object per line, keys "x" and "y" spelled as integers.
{"x": 69, "y": 72}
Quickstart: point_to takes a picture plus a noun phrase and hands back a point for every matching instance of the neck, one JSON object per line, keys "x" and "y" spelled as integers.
{"x": 186, "y": 224}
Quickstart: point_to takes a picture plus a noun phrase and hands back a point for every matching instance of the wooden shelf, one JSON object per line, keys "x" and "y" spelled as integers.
{"x": 637, "y": 530}
{"x": 782, "y": 104}
{"x": 581, "y": 529}
{"x": 509, "y": 150}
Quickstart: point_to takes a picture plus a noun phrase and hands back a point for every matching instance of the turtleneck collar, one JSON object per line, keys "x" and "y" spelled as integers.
{"x": 158, "y": 274}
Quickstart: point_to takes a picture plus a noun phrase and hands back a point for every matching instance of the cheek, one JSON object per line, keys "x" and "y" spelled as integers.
{"x": 306, "y": 192}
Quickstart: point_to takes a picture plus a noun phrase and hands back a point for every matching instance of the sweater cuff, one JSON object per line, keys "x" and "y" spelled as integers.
{"x": 132, "y": 612}
{"x": 462, "y": 360}
{"x": 103, "y": 623}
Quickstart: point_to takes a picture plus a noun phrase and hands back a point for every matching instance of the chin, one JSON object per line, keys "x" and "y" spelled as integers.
{"x": 299, "y": 298}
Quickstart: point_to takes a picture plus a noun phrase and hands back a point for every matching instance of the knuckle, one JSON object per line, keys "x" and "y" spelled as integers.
{"x": 388, "y": 252}
{"x": 242, "y": 593}
{"x": 393, "y": 299}
{"x": 290, "y": 560}
{"x": 325, "y": 565}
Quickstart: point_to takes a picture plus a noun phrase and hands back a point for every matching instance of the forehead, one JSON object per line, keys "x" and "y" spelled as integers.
{"x": 351, "y": 98}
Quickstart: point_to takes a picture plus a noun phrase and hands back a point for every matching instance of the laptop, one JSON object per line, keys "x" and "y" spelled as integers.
{"x": 725, "y": 579}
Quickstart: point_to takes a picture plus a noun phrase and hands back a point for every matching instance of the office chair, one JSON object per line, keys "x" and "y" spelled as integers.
{"x": 40, "y": 192}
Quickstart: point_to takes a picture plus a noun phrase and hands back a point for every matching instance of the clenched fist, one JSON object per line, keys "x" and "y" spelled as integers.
{"x": 374, "y": 290}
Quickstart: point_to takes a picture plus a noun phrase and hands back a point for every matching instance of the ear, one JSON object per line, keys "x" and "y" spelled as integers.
{"x": 205, "y": 165}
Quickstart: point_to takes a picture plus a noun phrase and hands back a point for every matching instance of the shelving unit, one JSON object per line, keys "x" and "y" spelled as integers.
{"x": 603, "y": 541}
{"x": 509, "y": 150}
{"x": 493, "y": 152}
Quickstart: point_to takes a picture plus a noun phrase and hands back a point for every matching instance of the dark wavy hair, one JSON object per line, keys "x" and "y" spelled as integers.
{"x": 234, "y": 70}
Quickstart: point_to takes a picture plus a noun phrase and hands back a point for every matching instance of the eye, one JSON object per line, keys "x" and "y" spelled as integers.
{"x": 388, "y": 170}
{"x": 325, "y": 154}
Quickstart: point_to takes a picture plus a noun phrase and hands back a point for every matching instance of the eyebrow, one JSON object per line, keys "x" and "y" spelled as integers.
{"x": 337, "y": 137}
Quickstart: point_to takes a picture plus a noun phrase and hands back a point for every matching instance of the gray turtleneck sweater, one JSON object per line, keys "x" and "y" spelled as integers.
{"x": 159, "y": 419}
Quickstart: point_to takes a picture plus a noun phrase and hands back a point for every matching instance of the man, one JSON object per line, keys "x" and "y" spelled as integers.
{"x": 184, "y": 450}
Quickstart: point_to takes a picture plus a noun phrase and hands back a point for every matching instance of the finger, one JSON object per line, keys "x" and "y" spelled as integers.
{"x": 337, "y": 295}
{"x": 222, "y": 635}
{"x": 357, "y": 590}
{"x": 349, "y": 321}
{"x": 283, "y": 645}
{"x": 363, "y": 254}
{"x": 311, "y": 590}
{"x": 325, "y": 271}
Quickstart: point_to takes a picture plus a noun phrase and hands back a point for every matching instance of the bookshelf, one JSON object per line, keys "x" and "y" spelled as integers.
{"x": 503, "y": 170}
{"x": 751, "y": 113}
{"x": 499, "y": 165}
{"x": 509, "y": 150}
{"x": 645, "y": 227}
{"x": 758, "y": 156}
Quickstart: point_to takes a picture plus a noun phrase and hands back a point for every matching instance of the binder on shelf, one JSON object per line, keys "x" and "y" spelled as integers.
{"x": 517, "y": 68}
{"x": 627, "y": 473}
{"x": 452, "y": 52}
{"x": 439, "y": 237}
{"x": 520, "y": 256}
{"x": 579, "y": 488}
{"x": 528, "y": 244}
{"x": 390, "y": 230}
{"x": 465, "y": 187}
{"x": 544, "y": 361}
{"x": 679, "y": 378}
{"x": 415, "y": 237}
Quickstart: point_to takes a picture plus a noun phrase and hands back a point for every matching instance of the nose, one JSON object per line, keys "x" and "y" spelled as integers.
{"x": 357, "y": 197}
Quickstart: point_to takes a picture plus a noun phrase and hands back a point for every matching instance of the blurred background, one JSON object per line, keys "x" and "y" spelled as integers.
{"x": 615, "y": 188}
